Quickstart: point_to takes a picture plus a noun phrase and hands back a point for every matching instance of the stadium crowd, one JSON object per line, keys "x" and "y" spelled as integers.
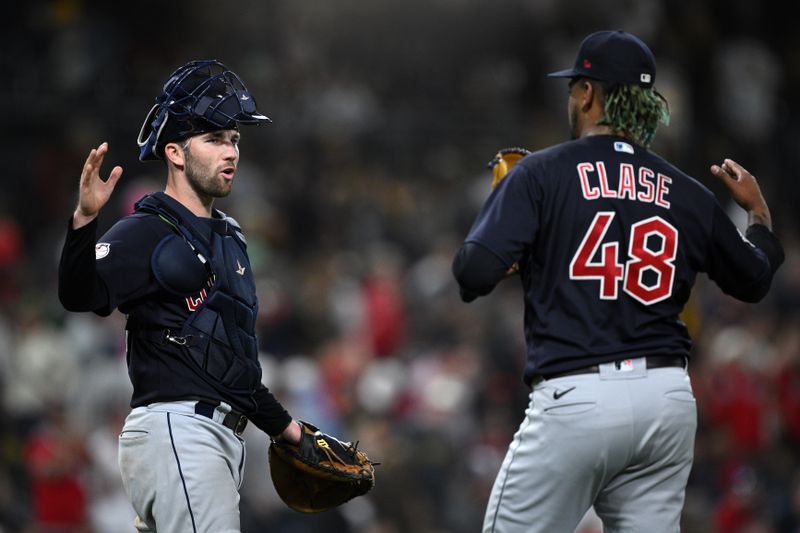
{"x": 354, "y": 201}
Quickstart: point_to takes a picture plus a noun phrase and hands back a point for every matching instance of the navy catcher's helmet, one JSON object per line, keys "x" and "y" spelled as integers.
{"x": 199, "y": 97}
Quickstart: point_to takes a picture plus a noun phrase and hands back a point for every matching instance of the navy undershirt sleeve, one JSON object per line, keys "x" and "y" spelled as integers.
{"x": 742, "y": 268}
{"x": 766, "y": 241}
{"x": 477, "y": 270}
{"x": 269, "y": 415}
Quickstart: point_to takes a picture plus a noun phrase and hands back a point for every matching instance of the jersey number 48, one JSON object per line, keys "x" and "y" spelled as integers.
{"x": 652, "y": 248}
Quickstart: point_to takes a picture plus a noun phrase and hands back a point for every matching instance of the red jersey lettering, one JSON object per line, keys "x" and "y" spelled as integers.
{"x": 589, "y": 192}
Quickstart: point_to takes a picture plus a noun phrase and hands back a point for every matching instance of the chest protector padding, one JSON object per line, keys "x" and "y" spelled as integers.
{"x": 220, "y": 334}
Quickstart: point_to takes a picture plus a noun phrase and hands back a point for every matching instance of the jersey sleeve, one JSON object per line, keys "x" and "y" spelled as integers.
{"x": 742, "y": 268}
{"x": 116, "y": 269}
{"x": 79, "y": 287}
{"x": 509, "y": 220}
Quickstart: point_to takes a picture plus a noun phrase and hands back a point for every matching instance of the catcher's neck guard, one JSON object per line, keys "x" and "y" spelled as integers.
{"x": 199, "y": 97}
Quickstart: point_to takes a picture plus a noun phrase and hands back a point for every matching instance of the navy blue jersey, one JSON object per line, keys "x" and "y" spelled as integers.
{"x": 609, "y": 238}
{"x": 115, "y": 272}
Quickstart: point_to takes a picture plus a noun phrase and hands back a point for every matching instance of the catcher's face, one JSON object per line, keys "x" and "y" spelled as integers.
{"x": 210, "y": 162}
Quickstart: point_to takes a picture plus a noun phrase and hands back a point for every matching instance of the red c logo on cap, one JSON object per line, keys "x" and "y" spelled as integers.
{"x": 587, "y": 63}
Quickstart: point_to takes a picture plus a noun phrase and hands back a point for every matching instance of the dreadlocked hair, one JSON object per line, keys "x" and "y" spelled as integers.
{"x": 634, "y": 111}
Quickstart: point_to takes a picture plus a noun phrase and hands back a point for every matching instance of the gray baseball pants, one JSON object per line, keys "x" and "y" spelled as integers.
{"x": 621, "y": 440}
{"x": 182, "y": 471}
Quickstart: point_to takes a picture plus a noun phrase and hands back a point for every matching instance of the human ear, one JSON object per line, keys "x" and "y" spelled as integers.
{"x": 173, "y": 153}
{"x": 587, "y": 95}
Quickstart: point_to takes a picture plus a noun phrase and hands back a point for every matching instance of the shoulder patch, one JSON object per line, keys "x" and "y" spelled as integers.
{"x": 101, "y": 249}
{"x": 620, "y": 146}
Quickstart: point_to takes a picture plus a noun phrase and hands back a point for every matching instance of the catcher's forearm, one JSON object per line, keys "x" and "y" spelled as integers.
{"x": 292, "y": 433}
{"x": 269, "y": 415}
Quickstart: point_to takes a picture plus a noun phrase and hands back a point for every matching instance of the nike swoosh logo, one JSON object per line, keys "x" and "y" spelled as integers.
{"x": 559, "y": 393}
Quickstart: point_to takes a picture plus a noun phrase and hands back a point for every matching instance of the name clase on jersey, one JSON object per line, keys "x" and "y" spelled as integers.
{"x": 643, "y": 186}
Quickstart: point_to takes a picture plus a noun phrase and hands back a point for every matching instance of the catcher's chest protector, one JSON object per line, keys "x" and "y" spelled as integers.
{"x": 219, "y": 336}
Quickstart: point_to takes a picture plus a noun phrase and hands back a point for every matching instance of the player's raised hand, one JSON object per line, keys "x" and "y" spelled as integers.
{"x": 744, "y": 190}
{"x": 94, "y": 192}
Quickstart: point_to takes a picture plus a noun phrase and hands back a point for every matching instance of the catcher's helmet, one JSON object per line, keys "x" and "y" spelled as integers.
{"x": 199, "y": 97}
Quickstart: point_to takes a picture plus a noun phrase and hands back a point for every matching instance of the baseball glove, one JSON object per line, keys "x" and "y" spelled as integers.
{"x": 320, "y": 473}
{"x": 503, "y": 161}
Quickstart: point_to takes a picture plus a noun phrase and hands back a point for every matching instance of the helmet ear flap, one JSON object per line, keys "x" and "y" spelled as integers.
{"x": 150, "y": 131}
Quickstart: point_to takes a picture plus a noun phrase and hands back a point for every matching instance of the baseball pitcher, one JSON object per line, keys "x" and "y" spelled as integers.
{"x": 607, "y": 238}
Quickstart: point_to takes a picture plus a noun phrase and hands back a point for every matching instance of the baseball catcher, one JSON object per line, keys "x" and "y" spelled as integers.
{"x": 179, "y": 269}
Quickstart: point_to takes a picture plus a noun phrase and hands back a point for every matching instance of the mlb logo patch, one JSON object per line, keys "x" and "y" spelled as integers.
{"x": 101, "y": 249}
{"x": 644, "y": 77}
{"x": 620, "y": 146}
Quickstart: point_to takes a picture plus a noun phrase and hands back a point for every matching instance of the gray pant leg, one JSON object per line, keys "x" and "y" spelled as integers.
{"x": 592, "y": 442}
{"x": 542, "y": 486}
{"x": 182, "y": 472}
{"x": 648, "y": 494}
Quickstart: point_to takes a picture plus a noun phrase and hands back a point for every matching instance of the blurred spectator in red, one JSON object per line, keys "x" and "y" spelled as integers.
{"x": 55, "y": 458}
{"x": 738, "y": 510}
{"x": 384, "y": 305}
{"x": 10, "y": 255}
{"x": 384, "y": 315}
{"x": 735, "y": 396}
{"x": 787, "y": 384}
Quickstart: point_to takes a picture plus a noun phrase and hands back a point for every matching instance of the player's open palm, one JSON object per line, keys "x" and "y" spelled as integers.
{"x": 94, "y": 192}
{"x": 742, "y": 185}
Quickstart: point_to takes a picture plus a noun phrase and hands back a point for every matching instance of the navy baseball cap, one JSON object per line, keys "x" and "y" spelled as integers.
{"x": 614, "y": 57}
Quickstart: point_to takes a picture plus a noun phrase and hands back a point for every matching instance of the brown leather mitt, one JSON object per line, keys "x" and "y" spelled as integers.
{"x": 320, "y": 473}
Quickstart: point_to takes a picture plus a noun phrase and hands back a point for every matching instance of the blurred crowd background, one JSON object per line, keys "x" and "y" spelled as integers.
{"x": 354, "y": 201}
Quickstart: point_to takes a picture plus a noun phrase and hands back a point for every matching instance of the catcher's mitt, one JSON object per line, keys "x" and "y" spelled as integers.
{"x": 319, "y": 473}
{"x": 503, "y": 161}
